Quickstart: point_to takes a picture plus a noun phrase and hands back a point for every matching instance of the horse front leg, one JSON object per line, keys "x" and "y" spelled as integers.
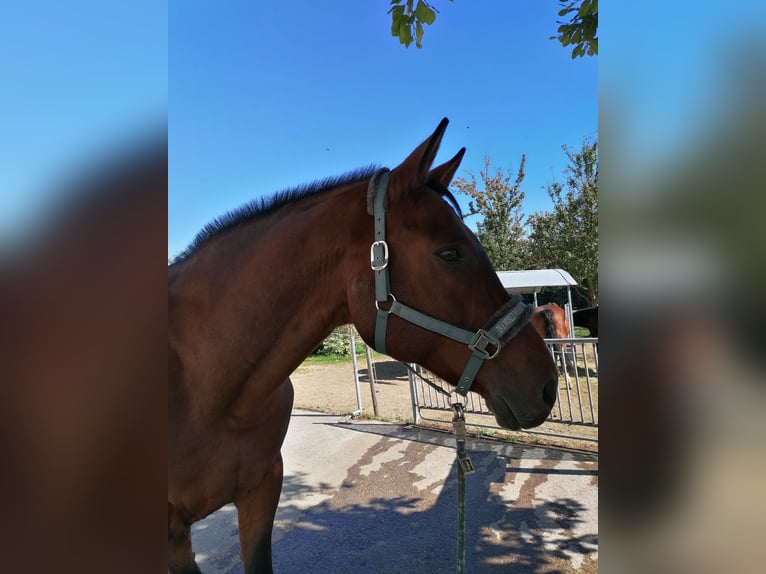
{"x": 180, "y": 555}
{"x": 256, "y": 513}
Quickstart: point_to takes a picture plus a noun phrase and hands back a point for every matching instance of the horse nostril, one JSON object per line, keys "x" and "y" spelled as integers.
{"x": 549, "y": 392}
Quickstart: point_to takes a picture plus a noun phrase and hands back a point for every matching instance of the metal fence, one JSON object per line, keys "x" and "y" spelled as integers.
{"x": 575, "y": 414}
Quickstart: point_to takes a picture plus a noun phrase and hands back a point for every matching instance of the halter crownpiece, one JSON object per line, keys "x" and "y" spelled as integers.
{"x": 485, "y": 344}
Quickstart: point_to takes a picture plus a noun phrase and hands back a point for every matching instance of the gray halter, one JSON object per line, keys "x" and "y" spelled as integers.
{"x": 485, "y": 344}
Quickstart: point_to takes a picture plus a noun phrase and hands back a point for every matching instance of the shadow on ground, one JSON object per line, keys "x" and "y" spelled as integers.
{"x": 380, "y": 523}
{"x": 387, "y": 372}
{"x": 528, "y": 510}
{"x": 396, "y": 536}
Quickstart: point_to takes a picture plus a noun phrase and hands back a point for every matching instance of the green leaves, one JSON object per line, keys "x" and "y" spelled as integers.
{"x": 397, "y": 12}
{"x": 582, "y": 28}
{"x": 580, "y": 31}
{"x": 406, "y": 20}
{"x": 425, "y": 13}
{"x": 567, "y": 237}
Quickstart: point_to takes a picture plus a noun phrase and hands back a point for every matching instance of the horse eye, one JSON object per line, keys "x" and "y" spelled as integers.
{"x": 449, "y": 255}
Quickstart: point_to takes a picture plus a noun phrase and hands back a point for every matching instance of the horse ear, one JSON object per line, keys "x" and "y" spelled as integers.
{"x": 444, "y": 173}
{"x": 413, "y": 171}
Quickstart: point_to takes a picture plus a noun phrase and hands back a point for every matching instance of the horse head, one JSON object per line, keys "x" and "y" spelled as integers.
{"x": 440, "y": 293}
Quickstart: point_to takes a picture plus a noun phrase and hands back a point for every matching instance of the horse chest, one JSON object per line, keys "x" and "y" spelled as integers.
{"x": 217, "y": 463}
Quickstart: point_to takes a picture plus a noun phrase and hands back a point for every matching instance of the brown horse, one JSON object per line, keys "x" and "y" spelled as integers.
{"x": 550, "y": 321}
{"x": 261, "y": 287}
{"x": 587, "y": 318}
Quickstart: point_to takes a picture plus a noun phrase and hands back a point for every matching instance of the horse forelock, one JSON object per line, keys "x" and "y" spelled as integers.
{"x": 442, "y": 190}
{"x": 446, "y": 194}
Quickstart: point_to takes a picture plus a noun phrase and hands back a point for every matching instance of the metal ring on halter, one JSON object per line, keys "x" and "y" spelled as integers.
{"x": 456, "y": 398}
{"x": 377, "y": 303}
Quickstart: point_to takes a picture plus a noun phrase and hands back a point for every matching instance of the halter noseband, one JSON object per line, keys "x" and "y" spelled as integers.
{"x": 484, "y": 344}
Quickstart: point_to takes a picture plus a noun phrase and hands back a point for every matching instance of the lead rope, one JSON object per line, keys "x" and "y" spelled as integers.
{"x": 463, "y": 464}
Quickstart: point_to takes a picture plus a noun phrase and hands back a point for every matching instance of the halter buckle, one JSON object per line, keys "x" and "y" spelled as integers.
{"x": 374, "y": 256}
{"x": 482, "y": 341}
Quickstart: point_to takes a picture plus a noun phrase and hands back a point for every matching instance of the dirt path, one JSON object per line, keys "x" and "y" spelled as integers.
{"x": 329, "y": 388}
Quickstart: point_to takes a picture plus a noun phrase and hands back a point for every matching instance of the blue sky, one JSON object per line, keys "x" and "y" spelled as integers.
{"x": 264, "y": 96}
{"x": 258, "y": 92}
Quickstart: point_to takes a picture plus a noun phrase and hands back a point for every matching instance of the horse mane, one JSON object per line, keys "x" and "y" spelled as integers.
{"x": 263, "y": 206}
{"x": 550, "y": 327}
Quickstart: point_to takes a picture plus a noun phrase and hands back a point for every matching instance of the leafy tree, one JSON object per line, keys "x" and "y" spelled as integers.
{"x": 501, "y": 229}
{"x": 567, "y": 237}
{"x": 408, "y": 18}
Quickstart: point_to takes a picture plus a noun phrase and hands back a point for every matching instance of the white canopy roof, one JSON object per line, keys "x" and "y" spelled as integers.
{"x": 531, "y": 281}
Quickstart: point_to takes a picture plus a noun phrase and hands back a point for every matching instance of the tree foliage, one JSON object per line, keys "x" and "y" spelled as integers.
{"x": 579, "y": 31}
{"x": 567, "y": 237}
{"x": 408, "y": 18}
{"x": 338, "y": 343}
{"x": 499, "y": 204}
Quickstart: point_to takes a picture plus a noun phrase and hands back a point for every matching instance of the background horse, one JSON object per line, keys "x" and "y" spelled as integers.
{"x": 241, "y": 319}
{"x": 83, "y": 365}
{"x": 550, "y": 321}
{"x": 587, "y": 318}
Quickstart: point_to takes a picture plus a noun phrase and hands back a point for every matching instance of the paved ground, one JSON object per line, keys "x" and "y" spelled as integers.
{"x": 380, "y": 498}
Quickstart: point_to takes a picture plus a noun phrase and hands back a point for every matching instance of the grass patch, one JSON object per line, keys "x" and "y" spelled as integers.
{"x": 360, "y": 357}
{"x": 322, "y": 359}
{"x": 481, "y": 432}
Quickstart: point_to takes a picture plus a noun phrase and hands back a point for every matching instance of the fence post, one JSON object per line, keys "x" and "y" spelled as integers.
{"x": 414, "y": 395}
{"x": 356, "y": 371}
{"x": 371, "y": 375}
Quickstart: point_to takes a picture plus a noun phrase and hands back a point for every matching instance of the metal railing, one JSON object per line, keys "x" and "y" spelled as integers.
{"x": 574, "y": 415}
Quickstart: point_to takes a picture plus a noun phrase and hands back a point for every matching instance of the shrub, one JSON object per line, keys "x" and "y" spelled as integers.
{"x": 339, "y": 343}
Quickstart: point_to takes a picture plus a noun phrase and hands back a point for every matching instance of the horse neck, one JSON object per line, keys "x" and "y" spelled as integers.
{"x": 267, "y": 293}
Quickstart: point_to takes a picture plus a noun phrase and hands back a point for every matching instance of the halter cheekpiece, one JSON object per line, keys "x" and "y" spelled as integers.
{"x": 485, "y": 344}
